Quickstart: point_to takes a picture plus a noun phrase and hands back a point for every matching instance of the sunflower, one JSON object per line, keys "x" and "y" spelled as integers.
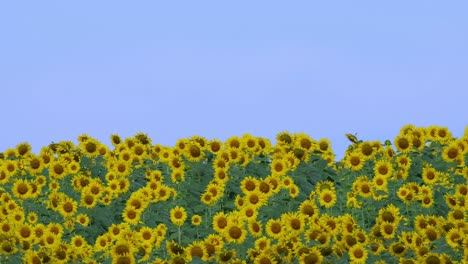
{"x": 454, "y": 238}
{"x": 178, "y": 215}
{"x": 274, "y": 228}
{"x": 265, "y": 257}
{"x": 68, "y": 207}
{"x": 383, "y": 168}
{"x": 429, "y": 175}
{"x": 22, "y": 189}
{"x": 255, "y": 228}
{"x": 275, "y": 183}
{"x": 430, "y": 258}
{"x": 73, "y": 167}
{"x": 32, "y": 218}
{"x": 451, "y": 152}
{"x": 82, "y": 219}
{"x": 358, "y": 254}
{"x": 225, "y": 256}
{"x": 327, "y": 198}
{"x": 312, "y": 256}
{"x": 88, "y": 200}
{"x": 427, "y": 200}
{"x": 25, "y": 232}
{"x": 90, "y": 147}
{"x": 178, "y": 176}
{"x": 221, "y": 175}
{"x": 294, "y": 191}
{"x": 308, "y": 209}
{"x": 120, "y": 167}
{"x": 36, "y": 166}
{"x": 293, "y": 222}
{"x": 196, "y": 249}
{"x": 388, "y": 230}
{"x": 58, "y": 170}
{"x": 196, "y": 220}
{"x": 234, "y": 233}
{"x": 131, "y": 216}
{"x": 403, "y": 143}
{"x": 194, "y": 152}
{"x": 215, "y": 145}
{"x": 278, "y": 167}
{"x": 354, "y": 161}
{"x": 380, "y": 183}
{"x": 367, "y": 150}
{"x": 122, "y": 248}
{"x": 249, "y": 212}
{"x": 256, "y": 199}
{"x": 390, "y": 214}
{"x": 4, "y": 175}
{"x": 249, "y": 142}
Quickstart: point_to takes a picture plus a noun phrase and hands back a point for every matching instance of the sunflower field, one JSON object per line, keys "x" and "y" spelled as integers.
{"x": 244, "y": 200}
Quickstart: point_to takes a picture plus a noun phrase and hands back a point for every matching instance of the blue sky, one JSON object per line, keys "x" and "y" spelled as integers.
{"x": 174, "y": 69}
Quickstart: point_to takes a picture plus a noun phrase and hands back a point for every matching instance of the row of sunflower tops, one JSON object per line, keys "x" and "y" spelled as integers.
{"x": 242, "y": 200}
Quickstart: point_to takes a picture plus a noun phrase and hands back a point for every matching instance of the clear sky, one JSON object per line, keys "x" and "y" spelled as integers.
{"x": 175, "y": 69}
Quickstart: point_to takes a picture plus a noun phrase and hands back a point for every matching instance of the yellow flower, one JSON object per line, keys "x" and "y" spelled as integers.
{"x": 293, "y": 222}
{"x": 196, "y": 249}
{"x": 196, "y": 220}
{"x": 313, "y": 256}
{"x": 255, "y": 228}
{"x": 278, "y": 167}
{"x": 68, "y": 207}
{"x": 327, "y": 198}
{"x": 274, "y": 228}
{"x": 403, "y": 143}
{"x": 451, "y": 152}
{"x": 358, "y": 254}
{"x": 21, "y": 189}
{"x": 131, "y": 216}
{"x": 235, "y": 233}
{"x": 388, "y": 230}
{"x": 354, "y": 161}
{"x": 178, "y": 215}
{"x": 430, "y": 175}
{"x": 383, "y": 168}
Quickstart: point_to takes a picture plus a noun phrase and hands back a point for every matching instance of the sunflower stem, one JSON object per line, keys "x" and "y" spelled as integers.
{"x": 179, "y": 234}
